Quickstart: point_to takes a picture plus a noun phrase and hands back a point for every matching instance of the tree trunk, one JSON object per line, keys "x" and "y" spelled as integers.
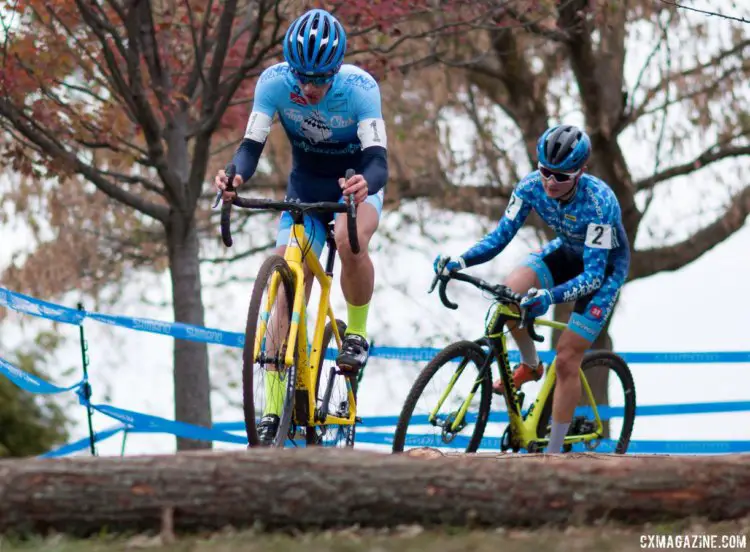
{"x": 191, "y": 380}
{"x": 313, "y": 488}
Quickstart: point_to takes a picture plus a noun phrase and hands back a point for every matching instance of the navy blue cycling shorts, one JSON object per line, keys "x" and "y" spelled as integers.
{"x": 590, "y": 312}
{"x": 307, "y": 188}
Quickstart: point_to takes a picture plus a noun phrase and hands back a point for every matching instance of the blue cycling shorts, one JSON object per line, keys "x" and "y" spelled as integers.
{"x": 307, "y": 188}
{"x": 590, "y": 312}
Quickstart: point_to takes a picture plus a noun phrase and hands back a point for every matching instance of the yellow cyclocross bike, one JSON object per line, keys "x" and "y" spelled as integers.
{"x": 316, "y": 401}
{"x": 449, "y": 403}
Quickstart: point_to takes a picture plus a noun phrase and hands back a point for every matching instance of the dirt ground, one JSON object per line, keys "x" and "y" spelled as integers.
{"x": 694, "y": 534}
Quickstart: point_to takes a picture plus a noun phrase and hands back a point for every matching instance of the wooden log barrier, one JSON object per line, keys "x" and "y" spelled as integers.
{"x": 318, "y": 488}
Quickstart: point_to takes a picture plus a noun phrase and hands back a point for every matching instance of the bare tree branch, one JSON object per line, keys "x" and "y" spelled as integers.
{"x": 239, "y": 256}
{"x": 534, "y": 27}
{"x": 143, "y": 20}
{"x": 696, "y": 70}
{"x": 200, "y": 50}
{"x": 54, "y": 148}
{"x": 650, "y": 261}
{"x": 711, "y": 155}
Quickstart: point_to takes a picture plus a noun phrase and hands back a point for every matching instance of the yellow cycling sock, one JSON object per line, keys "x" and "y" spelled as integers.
{"x": 356, "y": 322}
{"x": 274, "y": 393}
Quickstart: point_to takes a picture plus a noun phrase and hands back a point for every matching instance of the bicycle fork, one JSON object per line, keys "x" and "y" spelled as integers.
{"x": 457, "y": 422}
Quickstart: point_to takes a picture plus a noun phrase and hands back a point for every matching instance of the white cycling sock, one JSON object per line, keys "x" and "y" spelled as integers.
{"x": 559, "y": 431}
{"x": 528, "y": 351}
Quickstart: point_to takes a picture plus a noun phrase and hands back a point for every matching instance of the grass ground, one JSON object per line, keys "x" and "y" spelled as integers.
{"x": 734, "y": 535}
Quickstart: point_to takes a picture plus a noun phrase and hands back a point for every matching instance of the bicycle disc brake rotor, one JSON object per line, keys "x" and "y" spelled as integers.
{"x": 447, "y": 433}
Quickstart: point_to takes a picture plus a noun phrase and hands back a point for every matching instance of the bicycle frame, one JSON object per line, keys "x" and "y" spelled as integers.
{"x": 307, "y": 363}
{"x": 523, "y": 426}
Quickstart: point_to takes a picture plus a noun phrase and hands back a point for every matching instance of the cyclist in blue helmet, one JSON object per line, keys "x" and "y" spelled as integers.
{"x": 586, "y": 263}
{"x": 331, "y": 113}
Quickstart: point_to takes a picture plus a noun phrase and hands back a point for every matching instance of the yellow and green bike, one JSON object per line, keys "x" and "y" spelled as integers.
{"x": 449, "y": 403}
{"x": 315, "y": 402}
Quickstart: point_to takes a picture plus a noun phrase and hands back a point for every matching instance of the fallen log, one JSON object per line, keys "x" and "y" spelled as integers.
{"x": 318, "y": 488}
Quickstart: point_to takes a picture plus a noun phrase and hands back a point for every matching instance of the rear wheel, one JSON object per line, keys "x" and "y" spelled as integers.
{"x": 338, "y": 402}
{"x": 267, "y": 372}
{"x": 615, "y": 403}
{"x": 459, "y": 363}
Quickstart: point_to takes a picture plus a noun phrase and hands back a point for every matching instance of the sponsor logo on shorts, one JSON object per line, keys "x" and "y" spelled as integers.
{"x": 596, "y": 312}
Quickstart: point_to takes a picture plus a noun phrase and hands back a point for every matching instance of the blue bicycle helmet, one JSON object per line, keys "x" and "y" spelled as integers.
{"x": 314, "y": 44}
{"x": 563, "y": 148}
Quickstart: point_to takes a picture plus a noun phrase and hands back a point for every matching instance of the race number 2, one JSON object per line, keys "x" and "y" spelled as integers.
{"x": 599, "y": 236}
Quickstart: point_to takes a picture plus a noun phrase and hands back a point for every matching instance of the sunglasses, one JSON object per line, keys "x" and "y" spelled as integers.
{"x": 318, "y": 79}
{"x": 557, "y": 175}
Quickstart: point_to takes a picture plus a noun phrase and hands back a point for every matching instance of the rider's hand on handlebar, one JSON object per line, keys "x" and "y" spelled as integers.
{"x": 356, "y": 185}
{"x": 537, "y": 302}
{"x": 220, "y": 184}
{"x": 444, "y": 265}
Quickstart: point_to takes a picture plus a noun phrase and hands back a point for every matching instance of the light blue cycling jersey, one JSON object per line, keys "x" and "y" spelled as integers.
{"x": 345, "y": 130}
{"x": 589, "y": 225}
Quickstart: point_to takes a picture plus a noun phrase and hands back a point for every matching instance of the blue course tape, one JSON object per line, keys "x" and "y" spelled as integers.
{"x": 605, "y": 412}
{"x": 30, "y": 382}
{"x": 36, "y": 307}
{"x": 145, "y": 423}
{"x": 82, "y": 444}
{"x": 175, "y": 329}
{"x": 44, "y": 309}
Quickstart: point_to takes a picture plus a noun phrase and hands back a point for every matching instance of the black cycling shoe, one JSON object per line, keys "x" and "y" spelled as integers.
{"x": 354, "y": 353}
{"x": 267, "y": 428}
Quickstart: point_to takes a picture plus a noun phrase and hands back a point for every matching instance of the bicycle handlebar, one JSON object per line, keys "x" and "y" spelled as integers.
{"x": 499, "y": 291}
{"x": 293, "y": 206}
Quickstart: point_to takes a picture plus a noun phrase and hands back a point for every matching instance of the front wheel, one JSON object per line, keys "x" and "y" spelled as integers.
{"x": 267, "y": 382}
{"x": 437, "y": 397}
{"x": 613, "y": 389}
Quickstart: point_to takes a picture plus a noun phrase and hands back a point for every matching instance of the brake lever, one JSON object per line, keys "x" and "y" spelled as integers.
{"x": 230, "y": 187}
{"x": 217, "y": 200}
{"x": 434, "y": 283}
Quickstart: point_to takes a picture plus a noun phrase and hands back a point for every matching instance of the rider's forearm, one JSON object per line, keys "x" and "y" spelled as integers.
{"x": 375, "y": 168}
{"x": 492, "y": 244}
{"x": 246, "y": 158}
{"x": 585, "y": 283}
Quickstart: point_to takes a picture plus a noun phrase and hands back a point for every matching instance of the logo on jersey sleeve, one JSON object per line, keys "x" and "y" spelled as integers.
{"x": 363, "y": 82}
{"x": 514, "y": 206}
{"x": 258, "y": 127}
{"x": 371, "y": 132}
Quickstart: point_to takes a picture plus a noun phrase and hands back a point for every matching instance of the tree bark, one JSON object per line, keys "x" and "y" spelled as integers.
{"x": 192, "y": 390}
{"x": 314, "y": 488}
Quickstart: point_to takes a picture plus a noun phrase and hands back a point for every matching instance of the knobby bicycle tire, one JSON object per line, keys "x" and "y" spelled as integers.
{"x": 459, "y": 349}
{"x": 310, "y": 432}
{"x": 272, "y": 265}
{"x": 620, "y": 368}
